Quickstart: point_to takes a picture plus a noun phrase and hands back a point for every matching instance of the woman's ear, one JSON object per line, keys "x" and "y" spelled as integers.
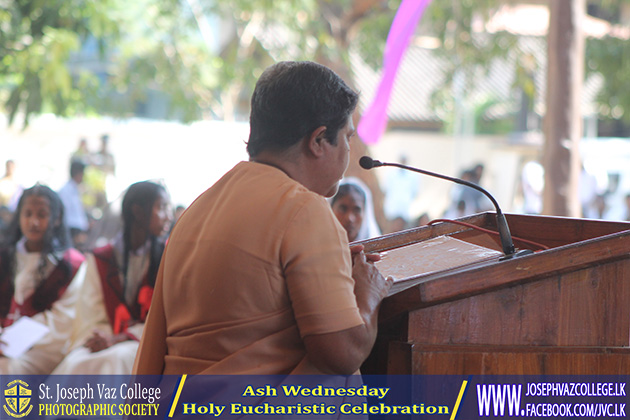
{"x": 316, "y": 140}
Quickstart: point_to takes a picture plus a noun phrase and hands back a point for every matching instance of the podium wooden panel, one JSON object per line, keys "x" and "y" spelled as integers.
{"x": 561, "y": 310}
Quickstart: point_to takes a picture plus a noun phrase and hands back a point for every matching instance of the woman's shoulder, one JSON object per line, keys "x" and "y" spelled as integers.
{"x": 73, "y": 255}
{"x": 73, "y": 258}
{"x": 103, "y": 251}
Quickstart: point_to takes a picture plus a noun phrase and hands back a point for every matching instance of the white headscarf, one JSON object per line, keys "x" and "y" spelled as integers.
{"x": 369, "y": 227}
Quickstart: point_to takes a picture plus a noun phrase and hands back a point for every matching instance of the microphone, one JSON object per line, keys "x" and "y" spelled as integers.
{"x": 507, "y": 244}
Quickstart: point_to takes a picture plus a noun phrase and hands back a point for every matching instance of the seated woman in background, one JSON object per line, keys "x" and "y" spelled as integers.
{"x": 118, "y": 287}
{"x": 354, "y": 209}
{"x": 40, "y": 278}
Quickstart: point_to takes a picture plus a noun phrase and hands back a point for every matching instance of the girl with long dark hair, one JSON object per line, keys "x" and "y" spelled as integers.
{"x": 40, "y": 278}
{"x": 119, "y": 284}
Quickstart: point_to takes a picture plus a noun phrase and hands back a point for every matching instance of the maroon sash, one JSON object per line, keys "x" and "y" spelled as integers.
{"x": 54, "y": 285}
{"x": 121, "y": 315}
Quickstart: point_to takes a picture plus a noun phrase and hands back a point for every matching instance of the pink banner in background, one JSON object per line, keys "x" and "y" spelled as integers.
{"x": 374, "y": 119}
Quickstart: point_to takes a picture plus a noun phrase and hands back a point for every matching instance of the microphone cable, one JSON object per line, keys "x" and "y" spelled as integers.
{"x": 488, "y": 231}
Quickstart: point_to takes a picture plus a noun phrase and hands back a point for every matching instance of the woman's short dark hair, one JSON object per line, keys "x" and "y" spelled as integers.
{"x": 291, "y": 99}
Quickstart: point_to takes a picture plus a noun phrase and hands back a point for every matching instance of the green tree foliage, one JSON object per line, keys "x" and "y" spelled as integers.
{"x": 205, "y": 55}
{"x": 160, "y": 50}
{"x": 467, "y": 54}
{"x": 260, "y": 32}
{"x": 611, "y": 58}
{"x": 37, "y": 38}
{"x": 142, "y": 45}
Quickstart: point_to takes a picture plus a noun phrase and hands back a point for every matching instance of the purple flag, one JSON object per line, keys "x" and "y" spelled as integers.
{"x": 374, "y": 119}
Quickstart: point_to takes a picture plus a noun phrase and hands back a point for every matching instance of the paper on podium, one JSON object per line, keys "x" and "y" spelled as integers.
{"x": 20, "y": 336}
{"x": 430, "y": 256}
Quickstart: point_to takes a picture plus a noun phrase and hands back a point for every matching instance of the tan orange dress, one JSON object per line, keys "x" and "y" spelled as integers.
{"x": 255, "y": 263}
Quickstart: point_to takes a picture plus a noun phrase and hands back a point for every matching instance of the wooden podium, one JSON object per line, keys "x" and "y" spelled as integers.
{"x": 561, "y": 310}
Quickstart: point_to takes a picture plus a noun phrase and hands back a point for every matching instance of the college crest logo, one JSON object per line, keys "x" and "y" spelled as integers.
{"x": 17, "y": 398}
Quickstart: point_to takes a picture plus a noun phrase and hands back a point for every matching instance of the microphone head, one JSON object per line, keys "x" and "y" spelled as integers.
{"x": 366, "y": 162}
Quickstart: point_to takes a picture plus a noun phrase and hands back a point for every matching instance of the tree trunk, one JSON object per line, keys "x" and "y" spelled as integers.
{"x": 357, "y": 147}
{"x": 563, "y": 119}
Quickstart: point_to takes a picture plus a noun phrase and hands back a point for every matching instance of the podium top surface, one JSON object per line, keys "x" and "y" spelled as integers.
{"x": 437, "y": 254}
{"x": 561, "y": 245}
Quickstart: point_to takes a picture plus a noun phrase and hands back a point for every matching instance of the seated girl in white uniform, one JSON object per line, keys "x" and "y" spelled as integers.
{"x": 40, "y": 278}
{"x": 118, "y": 287}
